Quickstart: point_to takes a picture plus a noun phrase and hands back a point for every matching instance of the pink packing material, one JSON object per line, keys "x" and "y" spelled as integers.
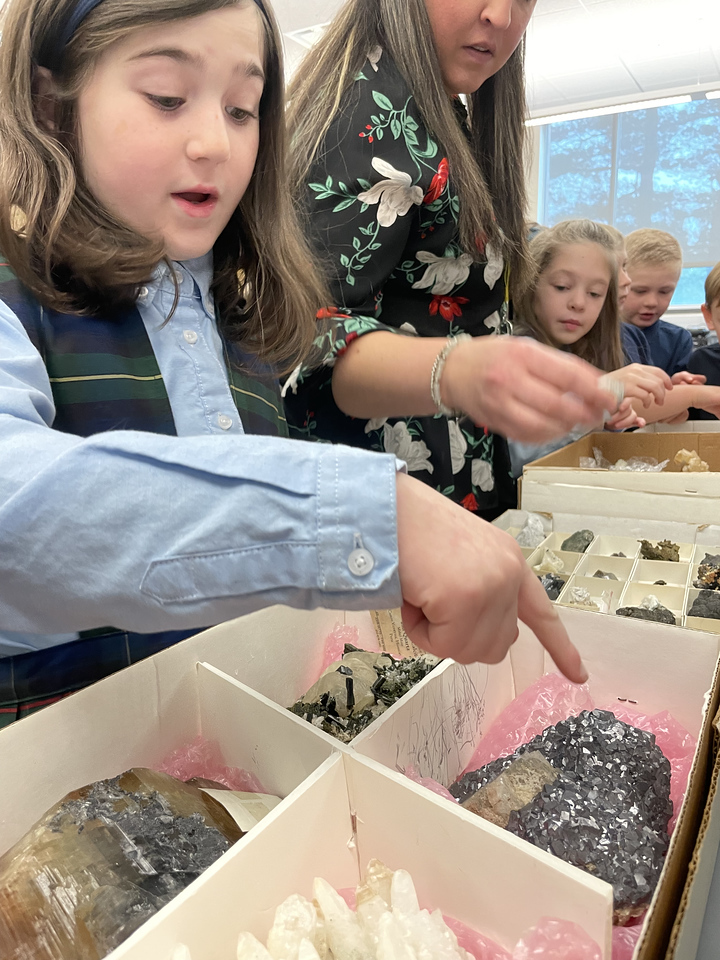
{"x": 335, "y": 644}
{"x": 624, "y": 941}
{"x": 202, "y": 758}
{"x": 413, "y": 774}
{"x": 478, "y": 946}
{"x": 556, "y": 940}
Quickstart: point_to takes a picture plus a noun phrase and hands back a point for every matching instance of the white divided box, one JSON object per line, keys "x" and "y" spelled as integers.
{"x": 637, "y": 578}
{"x": 348, "y": 812}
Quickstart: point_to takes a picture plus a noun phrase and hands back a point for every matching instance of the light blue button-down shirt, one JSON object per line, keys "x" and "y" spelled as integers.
{"x": 150, "y": 533}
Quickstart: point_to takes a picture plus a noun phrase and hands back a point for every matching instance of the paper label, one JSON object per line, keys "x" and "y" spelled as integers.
{"x": 246, "y": 809}
{"x": 391, "y": 634}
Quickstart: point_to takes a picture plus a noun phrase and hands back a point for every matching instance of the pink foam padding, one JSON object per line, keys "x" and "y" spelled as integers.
{"x": 556, "y": 940}
{"x": 412, "y": 774}
{"x": 335, "y": 644}
{"x": 202, "y": 758}
{"x": 624, "y": 941}
{"x": 478, "y": 946}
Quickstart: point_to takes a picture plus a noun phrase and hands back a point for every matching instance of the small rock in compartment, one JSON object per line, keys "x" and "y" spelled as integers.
{"x": 660, "y": 583}
{"x": 515, "y": 787}
{"x": 604, "y": 575}
{"x": 550, "y": 563}
{"x": 607, "y": 811}
{"x": 553, "y": 585}
{"x": 706, "y": 604}
{"x": 359, "y": 688}
{"x": 649, "y": 609}
{"x": 580, "y": 597}
{"x": 619, "y": 554}
{"x": 578, "y": 542}
{"x": 104, "y": 860}
{"x": 690, "y": 462}
{"x": 709, "y": 573}
{"x": 663, "y": 550}
{"x": 533, "y": 533}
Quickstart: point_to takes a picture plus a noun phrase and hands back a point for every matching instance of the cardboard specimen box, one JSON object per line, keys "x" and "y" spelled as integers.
{"x": 557, "y": 483}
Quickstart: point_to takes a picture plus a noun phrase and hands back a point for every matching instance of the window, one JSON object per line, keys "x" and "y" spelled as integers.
{"x": 649, "y": 168}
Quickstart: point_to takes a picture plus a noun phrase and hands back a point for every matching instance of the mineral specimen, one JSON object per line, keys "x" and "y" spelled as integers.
{"x": 553, "y": 585}
{"x": 665, "y": 550}
{"x": 578, "y": 542}
{"x": 550, "y": 563}
{"x": 691, "y": 462}
{"x": 619, "y": 554}
{"x": 608, "y": 809}
{"x": 533, "y": 533}
{"x": 580, "y": 597}
{"x": 515, "y": 787}
{"x": 709, "y": 573}
{"x": 660, "y": 583}
{"x": 706, "y": 604}
{"x": 104, "y": 860}
{"x": 356, "y": 690}
{"x": 603, "y": 575}
{"x": 649, "y": 609}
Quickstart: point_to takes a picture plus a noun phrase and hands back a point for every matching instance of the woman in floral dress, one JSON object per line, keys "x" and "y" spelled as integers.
{"x": 417, "y": 213}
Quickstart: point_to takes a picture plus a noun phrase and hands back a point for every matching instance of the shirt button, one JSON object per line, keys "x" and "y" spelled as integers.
{"x": 142, "y": 293}
{"x": 361, "y": 562}
{"x": 224, "y": 422}
{"x": 190, "y": 336}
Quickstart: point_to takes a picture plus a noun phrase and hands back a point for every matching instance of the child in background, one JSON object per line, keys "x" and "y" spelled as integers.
{"x": 654, "y": 264}
{"x": 706, "y": 360}
{"x": 142, "y": 166}
{"x": 573, "y": 305}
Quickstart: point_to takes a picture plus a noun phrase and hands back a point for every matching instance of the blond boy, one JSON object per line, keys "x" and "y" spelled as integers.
{"x": 654, "y": 263}
{"x": 706, "y": 360}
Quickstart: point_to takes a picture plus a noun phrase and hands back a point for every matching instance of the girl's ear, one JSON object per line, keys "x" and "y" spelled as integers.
{"x": 45, "y": 99}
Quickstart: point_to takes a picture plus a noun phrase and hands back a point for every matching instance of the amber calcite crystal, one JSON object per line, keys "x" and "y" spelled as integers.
{"x": 104, "y": 860}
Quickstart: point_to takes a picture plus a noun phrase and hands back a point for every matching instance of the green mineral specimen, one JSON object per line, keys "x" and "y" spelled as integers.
{"x": 578, "y": 542}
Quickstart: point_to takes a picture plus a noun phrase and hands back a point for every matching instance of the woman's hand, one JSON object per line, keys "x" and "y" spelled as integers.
{"x": 465, "y": 584}
{"x": 647, "y": 384}
{"x": 522, "y": 389}
{"x": 684, "y": 376}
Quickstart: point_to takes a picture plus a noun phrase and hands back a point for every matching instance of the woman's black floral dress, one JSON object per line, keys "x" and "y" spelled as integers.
{"x": 383, "y": 216}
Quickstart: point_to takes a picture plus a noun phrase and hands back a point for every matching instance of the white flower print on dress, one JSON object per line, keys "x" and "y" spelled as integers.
{"x": 375, "y": 424}
{"x": 443, "y": 274}
{"x": 292, "y": 381}
{"x": 458, "y": 446}
{"x": 408, "y": 328}
{"x": 397, "y": 440}
{"x": 394, "y": 195}
{"x": 493, "y": 321}
{"x": 494, "y": 267}
{"x": 482, "y": 475}
{"x": 374, "y": 57}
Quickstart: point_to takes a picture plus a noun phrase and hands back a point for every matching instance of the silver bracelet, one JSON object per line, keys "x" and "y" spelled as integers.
{"x": 437, "y": 370}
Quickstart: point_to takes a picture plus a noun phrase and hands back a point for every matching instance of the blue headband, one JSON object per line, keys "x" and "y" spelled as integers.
{"x": 53, "y": 51}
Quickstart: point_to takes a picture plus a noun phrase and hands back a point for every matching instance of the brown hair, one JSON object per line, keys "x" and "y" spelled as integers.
{"x": 712, "y": 286}
{"x": 488, "y": 173}
{"x": 75, "y": 256}
{"x": 654, "y": 248}
{"x": 601, "y": 346}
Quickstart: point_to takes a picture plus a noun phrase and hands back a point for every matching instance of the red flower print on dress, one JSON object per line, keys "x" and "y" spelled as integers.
{"x": 369, "y": 136}
{"x": 470, "y": 503}
{"x": 447, "y": 307}
{"x": 438, "y": 182}
{"x": 330, "y": 313}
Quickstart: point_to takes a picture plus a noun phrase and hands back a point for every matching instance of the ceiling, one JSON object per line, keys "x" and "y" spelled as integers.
{"x": 585, "y": 52}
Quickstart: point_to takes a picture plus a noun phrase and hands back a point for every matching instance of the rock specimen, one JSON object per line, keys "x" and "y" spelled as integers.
{"x": 709, "y": 573}
{"x": 620, "y": 554}
{"x": 515, "y": 787}
{"x": 550, "y": 563}
{"x": 706, "y": 604}
{"x": 660, "y": 583}
{"x": 603, "y": 575}
{"x": 690, "y": 462}
{"x": 578, "y": 542}
{"x": 357, "y": 689}
{"x": 553, "y": 585}
{"x": 649, "y": 609}
{"x": 533, "y": 533}
{"x": 104, "y": 860}
{"x": 580, "y": 597}
{"x": 663, "y": 550}
{"x": 607, "y": 810}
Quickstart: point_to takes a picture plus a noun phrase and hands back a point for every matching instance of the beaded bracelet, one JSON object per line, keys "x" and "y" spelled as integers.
{"x": 437, "y": 370}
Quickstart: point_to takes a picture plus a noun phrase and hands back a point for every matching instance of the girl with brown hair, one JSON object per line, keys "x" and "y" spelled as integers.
{"x": 154, "y": 280}
{"x": 416, "y": 206}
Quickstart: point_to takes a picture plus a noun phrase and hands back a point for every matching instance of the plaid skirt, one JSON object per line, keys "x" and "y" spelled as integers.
{"x": 30, "y": 681}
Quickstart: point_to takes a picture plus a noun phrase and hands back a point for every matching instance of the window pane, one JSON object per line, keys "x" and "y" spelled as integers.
{"x": 691, "y": 289}
{"x": 579, "y": 169}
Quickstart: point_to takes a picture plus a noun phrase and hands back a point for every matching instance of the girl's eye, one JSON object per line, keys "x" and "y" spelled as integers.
{"x": 560, "y": 287}
{"x": 165, "y": 103}
{"x": 239, "y": 115}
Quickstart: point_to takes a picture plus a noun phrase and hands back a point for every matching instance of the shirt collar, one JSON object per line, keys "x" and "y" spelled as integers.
{"x": 199, "y": 271}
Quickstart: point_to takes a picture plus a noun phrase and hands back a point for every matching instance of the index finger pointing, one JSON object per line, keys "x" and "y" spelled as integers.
{"x": 535, "y": 610}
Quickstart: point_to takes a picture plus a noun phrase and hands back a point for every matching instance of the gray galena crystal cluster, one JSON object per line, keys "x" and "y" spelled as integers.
{"x": 608, "y": 809}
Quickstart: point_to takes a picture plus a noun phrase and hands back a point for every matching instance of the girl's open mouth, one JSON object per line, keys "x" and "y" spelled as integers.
{"x": 196, "y": 204}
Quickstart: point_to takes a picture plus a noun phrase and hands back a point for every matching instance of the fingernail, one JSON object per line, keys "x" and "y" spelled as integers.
{"x": 584, "y": 675}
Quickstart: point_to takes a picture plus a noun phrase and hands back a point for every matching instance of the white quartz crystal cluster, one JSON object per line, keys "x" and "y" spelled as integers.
{"x": 388, "y": 924}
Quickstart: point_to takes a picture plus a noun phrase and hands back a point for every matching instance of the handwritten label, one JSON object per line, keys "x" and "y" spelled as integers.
{"x": 391, "y": 634}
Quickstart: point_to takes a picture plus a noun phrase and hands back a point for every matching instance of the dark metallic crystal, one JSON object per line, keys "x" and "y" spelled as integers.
{"x": 553, "y": 585}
